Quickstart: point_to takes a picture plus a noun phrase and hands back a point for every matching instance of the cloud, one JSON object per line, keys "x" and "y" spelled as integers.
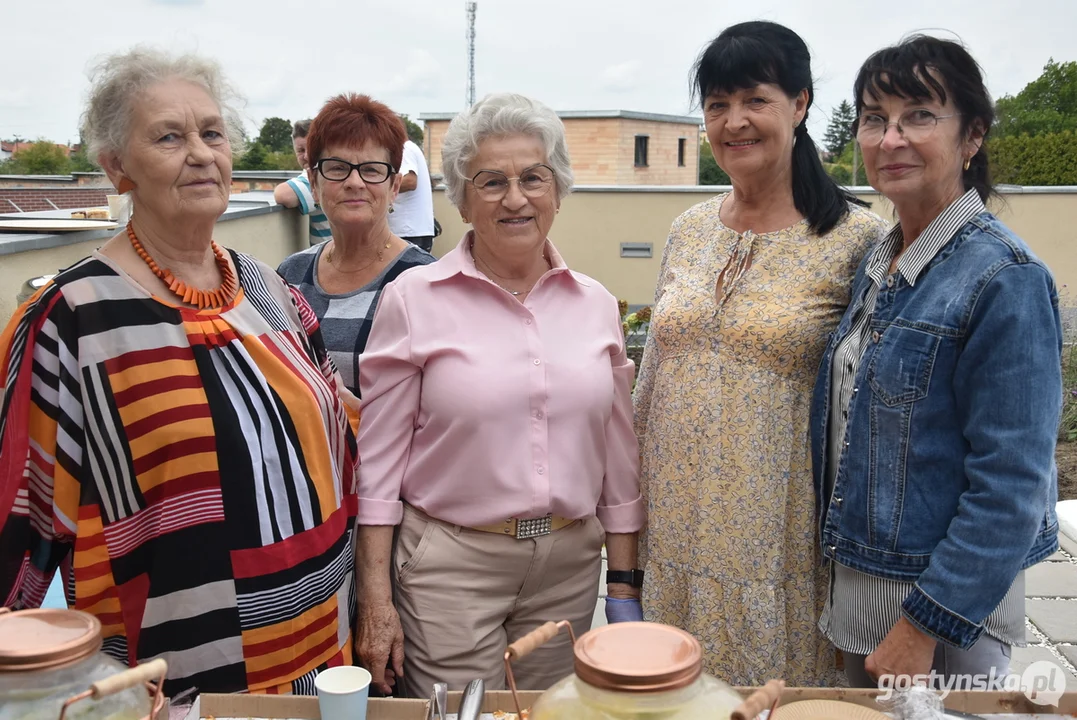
{"x": 623, "y": 77}
{"x": 421, "y": 76}
{"x": 11, "y": 98}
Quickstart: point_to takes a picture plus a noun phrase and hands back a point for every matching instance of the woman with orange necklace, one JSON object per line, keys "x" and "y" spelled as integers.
{"x": 173, "y": 436}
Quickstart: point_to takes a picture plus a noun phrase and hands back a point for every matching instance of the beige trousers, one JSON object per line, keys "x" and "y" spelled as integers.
{"x": 464, "y": 595}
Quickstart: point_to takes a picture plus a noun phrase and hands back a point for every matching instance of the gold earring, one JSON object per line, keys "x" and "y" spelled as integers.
{"x": 968, "y": 161}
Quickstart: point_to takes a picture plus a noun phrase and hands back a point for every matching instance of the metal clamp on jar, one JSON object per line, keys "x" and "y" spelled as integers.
{"x": 636, "y": 669}
{"x": 51, "y": 668}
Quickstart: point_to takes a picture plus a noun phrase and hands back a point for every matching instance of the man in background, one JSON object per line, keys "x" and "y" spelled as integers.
{"x": 412, "y": 215}
{"x": 296, "y": 192}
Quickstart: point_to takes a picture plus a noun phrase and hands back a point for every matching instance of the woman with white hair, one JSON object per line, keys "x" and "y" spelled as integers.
{"x": 173, "y": 436}
{"x": 497, "y": 429}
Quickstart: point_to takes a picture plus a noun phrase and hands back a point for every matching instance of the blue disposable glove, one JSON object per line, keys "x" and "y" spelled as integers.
{"x": 623, "y": 610}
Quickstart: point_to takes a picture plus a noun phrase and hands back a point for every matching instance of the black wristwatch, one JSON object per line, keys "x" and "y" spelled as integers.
{"x": 632, "y": 577}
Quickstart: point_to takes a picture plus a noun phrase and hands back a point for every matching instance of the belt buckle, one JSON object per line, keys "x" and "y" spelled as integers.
{"x": 534, "y": 527}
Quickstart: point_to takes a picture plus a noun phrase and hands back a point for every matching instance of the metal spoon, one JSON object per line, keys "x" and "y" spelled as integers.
{"x": 471, "y": 702}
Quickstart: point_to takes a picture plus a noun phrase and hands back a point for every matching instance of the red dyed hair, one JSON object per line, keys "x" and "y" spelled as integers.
{"x": 353, "y": 121}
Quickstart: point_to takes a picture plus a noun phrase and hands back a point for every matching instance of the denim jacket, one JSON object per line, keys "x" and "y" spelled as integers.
{"x": 946, "y": 475}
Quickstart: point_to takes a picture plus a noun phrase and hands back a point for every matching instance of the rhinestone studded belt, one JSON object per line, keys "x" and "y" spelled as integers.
{"x": 529, "y": 528}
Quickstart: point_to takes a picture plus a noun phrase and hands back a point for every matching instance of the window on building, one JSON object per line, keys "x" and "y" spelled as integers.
{"x": 641, "y": 151}
{"x": 682, "y": 143}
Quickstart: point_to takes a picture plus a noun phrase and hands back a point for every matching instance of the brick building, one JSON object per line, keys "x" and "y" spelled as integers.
{"x": 617, "y": 147}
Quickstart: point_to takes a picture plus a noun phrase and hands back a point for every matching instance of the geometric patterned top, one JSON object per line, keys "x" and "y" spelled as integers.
{"x": 190, "y": 473}
{"x": 345, "y": 318}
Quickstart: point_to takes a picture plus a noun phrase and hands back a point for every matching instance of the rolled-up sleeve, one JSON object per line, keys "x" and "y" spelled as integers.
{"x": 389, "y": 383}
{"x": 620, "y": 507}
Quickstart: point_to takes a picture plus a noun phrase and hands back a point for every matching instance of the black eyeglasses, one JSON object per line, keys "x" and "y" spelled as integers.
{"x": 337, "y": 170}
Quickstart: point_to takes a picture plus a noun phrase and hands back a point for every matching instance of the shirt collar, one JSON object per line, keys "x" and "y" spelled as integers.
{"x": 924, "y": 249}
{"x": 460, "y": 261}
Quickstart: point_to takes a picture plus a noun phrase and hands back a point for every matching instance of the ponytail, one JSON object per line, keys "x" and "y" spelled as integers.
{"x": 818, "y": 198}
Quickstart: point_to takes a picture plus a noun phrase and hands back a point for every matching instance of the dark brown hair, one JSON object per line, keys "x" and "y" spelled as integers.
{"x": 922, "y": 67}
{"x": 759, "y": 52}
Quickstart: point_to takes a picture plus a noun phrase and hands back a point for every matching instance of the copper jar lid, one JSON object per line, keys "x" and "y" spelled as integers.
{"x": 47, "y": 638}
{"x": 638, "y": 657}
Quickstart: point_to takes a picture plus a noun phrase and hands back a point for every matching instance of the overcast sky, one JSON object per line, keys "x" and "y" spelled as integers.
{"x": 288, "y": 57}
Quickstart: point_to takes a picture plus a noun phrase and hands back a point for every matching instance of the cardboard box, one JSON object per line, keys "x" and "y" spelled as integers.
{"x": 977, "y": 702}
{"x": 294, "y": 707}
{"x": 497, "y": 700}
{"x": 980, "y": 703}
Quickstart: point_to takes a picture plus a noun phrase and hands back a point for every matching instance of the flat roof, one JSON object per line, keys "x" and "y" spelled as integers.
{"x": 597, "y": 114}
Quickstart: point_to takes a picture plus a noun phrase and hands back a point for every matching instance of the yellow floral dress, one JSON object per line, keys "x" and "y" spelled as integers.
{"x": 722, "y": 408}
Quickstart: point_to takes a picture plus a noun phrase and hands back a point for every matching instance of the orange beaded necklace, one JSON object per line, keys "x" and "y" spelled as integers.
{"x": 201, "y": 299}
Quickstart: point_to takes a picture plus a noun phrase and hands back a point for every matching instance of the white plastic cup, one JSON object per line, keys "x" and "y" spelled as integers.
{"x": 343, "y": 692}
{"x": 115, "y": 206}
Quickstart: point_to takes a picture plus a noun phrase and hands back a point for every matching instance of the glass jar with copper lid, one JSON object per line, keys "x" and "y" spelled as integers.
{"x": 49, "y": 656}
{"x": 632, "y": 671}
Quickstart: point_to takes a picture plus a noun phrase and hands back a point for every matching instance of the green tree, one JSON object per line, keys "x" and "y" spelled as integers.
{"x": 1046, "y": 159}
{"x": 1048, "y": 104}
{"x": 253, "y": 159}
{"x": 42, "y": 158}
{"x": 839, "y": 173}
{"x": 281, "y": 161}
{"x": 839, "y": 129}
{"x": 415, "y": 133}
{"x": 276, "y": 135}
{"x": 709, "y": 172}
{"x": 79, "y": 160}
{"x": 81, "y": 163}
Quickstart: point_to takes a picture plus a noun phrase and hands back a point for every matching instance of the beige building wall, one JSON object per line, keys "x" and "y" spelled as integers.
{"x": 592, "y": 225}
{"x": 603, "y": 150}
{"x": 595, "y": 147}
{"x": 433, "y": 134}
{"x": 588, "y": 231}
{"x": 662, "y": 168}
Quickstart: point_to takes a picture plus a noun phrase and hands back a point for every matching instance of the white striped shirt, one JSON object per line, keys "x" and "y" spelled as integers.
{"x": 861, "y": 609}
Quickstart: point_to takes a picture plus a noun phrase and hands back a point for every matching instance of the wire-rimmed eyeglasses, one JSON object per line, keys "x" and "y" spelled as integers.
{"x": 913, "y": 125}
{"x": 492, "y": 185}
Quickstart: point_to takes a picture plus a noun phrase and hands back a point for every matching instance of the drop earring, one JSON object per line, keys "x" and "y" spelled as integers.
{"x": 125, "y": 185}
{"x": 968, "y": 161}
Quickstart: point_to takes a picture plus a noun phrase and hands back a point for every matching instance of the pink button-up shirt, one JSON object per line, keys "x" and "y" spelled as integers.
{"x": 477, "y": 408}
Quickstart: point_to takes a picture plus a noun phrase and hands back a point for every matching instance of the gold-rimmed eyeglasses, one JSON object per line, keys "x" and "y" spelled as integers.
{"x": 913, "y": 125}
{"x": 492, "y": 185}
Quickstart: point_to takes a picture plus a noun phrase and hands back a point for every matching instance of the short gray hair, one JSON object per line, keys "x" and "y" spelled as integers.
{"x": 498, "y": 115}
{"x": 118, "y": 80}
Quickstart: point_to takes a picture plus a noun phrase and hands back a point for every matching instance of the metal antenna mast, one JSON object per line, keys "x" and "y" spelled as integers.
{"x": 470, "y": 7}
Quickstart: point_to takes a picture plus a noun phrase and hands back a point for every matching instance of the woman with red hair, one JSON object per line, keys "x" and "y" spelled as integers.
{"x": 355, "y": 147}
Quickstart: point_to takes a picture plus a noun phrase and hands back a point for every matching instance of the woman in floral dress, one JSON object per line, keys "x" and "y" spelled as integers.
{"x": 751, "y": 284}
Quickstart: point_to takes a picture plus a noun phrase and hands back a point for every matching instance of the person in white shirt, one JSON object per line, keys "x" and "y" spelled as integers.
{"x": 412, "y": 215}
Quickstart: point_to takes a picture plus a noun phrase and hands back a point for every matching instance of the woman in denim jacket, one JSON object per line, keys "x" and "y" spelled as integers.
{"x": 937, "y": 404}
